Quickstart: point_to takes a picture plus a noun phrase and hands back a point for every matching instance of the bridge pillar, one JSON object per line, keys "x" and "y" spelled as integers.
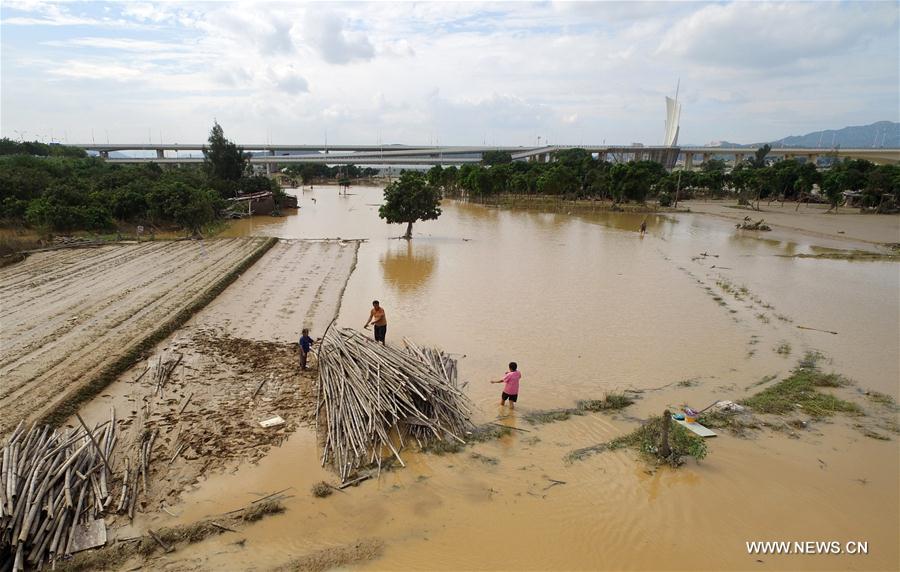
{"x": 160, "y": 153}
{"x": 738, "y": 159}
{"x": 270, "y": 167}
{"x": 814, "y": 159}
{"x": 705, "y": 158}
{"x": 104, "y": 154}
{"x": 688, "y": 161}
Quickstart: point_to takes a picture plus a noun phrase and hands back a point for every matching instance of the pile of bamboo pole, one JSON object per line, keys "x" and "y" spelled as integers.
{"x": 50, "y": 482}
{"x": 373, "y": 398}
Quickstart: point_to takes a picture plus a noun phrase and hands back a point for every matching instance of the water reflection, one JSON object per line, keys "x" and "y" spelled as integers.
{"x": 408, "y": 266}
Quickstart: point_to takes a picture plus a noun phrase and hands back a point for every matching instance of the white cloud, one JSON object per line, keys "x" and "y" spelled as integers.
{"x": 455, "y": 72}
{"x": 325, "y": 32}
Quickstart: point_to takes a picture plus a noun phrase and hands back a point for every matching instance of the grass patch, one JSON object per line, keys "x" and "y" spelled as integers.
{"x": 646, "y": 440}
{"x": 880, "y": 398}
{"x": 763, "y": 380}
{"x": 479, "y": 434}
{"x": 800, "y": 390}
{"x": 871, "y": 434}
{"x": 783, "y": 349}
{"x": 850, "y": 255}
{"x": 611, "y": 401}
{"x": 70, "y": 404}
{"x": 735, "y": 422}
{"x": 487, "y": 432}
{"x": 485, "y": 459}
{"x": 321, "y": 490}
{"x": 258, "y": 511}
{"x": 443, "y": 447}
{"x": 550, "y": 415}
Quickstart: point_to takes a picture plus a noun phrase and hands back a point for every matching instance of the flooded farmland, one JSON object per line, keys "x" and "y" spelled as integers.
{"x": 691, "y": 313}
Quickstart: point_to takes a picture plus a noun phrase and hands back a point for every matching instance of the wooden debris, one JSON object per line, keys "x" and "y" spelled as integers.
{"x": 374, "y": 398}
{"x": 55, "y": 487}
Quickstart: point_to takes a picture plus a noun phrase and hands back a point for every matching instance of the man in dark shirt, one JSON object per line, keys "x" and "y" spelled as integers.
{"x": 306, "y": 343}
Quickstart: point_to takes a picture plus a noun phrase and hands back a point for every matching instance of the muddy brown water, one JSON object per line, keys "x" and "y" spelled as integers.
{"x": 585, "y": 305}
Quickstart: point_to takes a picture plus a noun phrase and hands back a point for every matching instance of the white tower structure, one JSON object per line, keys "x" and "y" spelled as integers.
{"x": 673, "y": 116}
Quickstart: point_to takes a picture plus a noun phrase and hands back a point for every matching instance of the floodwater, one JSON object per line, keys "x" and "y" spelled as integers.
{"x": 586, "y": 305}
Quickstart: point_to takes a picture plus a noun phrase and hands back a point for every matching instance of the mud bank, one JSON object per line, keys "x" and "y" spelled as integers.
{"x": 812, "y": 220}
{"x": 74, "y": 319}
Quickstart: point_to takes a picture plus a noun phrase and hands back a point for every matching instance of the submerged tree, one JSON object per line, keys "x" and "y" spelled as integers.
{"x": 409, "y": 199}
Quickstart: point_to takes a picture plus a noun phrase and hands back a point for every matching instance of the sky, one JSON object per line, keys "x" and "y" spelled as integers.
{"x": 461, "y": 73}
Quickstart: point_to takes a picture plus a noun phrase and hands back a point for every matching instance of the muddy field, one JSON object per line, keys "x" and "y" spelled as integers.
{"x": 206, "y": 387}
{"x": 69, "y": 316}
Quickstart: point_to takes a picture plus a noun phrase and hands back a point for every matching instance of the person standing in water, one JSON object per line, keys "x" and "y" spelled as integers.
{"x": 643, "y": 226}
{"x": 511, "y": 389}
{"x": 378, "y": 320}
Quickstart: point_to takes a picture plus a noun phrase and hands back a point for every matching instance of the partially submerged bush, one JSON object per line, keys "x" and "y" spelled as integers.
{"x": 647, "y": 439}
{"x": 610, "y": 402}
{"x": 257, "y": 511}
{"x": 550, "y": 415}
{"x": 321, "y": 490}
{"x": 799, "y": 390}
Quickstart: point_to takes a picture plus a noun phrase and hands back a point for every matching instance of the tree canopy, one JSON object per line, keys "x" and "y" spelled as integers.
{"x": 409, "y": 199}
{"x": 222, "y": 159}
{"x": 59, "y": 189}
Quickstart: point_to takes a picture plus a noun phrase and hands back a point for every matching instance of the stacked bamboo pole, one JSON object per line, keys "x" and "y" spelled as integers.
{"x": 51, "y": 481}
{"x": 373, "y": 398}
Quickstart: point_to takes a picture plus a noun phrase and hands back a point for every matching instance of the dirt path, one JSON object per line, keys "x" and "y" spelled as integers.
{"x": 69, "y": 315}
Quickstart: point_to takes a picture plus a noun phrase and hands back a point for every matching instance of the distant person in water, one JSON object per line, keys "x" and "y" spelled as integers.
{"x": 511, "y": 389}
{"x": 378, "y": 320}
{"x": 306, "y": 343}
{"x": 643, "y": 227}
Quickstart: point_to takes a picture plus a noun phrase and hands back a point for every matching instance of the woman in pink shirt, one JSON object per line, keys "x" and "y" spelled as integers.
{"x": 511, "y": 389}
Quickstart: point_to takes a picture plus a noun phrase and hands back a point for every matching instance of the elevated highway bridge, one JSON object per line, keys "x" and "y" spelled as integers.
{"x": 412, "y": 155}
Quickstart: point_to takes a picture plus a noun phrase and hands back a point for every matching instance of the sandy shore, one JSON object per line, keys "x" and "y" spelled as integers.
{"x": 69, "y": 315}
{"x": 812, "y": 220}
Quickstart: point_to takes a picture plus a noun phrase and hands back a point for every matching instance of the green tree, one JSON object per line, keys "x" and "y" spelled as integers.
{"x": 495, "y": 157}
{"x": 409, "y": 199}
{"x": 222, "y": 159}
{"x": 758, "y": 160}
{"x": 189, "y": 207}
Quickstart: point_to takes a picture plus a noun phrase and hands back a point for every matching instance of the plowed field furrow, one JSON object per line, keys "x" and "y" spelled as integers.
{"x": 112, "y": 314}
{"x": 67, "y": 314}
{"x": 297, "y": 284}
{"x": 113, "y": 298}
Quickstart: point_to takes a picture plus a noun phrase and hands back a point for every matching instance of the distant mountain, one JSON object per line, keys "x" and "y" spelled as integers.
{"x": 882, "y": 134}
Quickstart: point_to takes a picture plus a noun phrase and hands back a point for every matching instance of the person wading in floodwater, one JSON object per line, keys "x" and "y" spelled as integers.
{"x": 511, "y": 389}
{"x": 643, "y": 226}
{"x": 378, "y": 319}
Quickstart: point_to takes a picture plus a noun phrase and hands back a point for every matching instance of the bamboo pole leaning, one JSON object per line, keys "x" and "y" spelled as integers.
{"x": 374, "y": 399}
